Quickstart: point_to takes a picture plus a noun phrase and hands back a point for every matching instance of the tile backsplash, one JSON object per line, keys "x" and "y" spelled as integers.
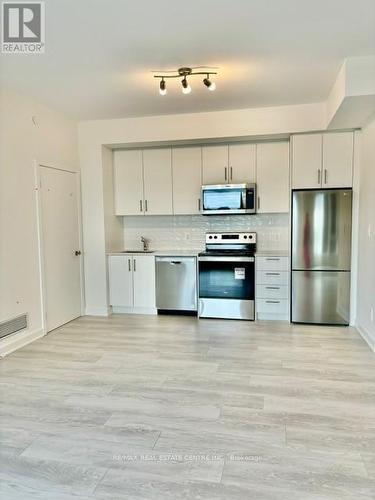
{"x": 188, "y": 231}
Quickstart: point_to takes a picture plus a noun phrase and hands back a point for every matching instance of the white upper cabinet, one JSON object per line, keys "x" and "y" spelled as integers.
{"x": 128, "y": 182}
{"x": 273, "y": 177}
{"x": 241, "y": 165}
{"x": 322, "y": 160}
{"x": 187, "y": 180}
{"x": 307, "y": 161}
{"x": 337, "y": 160}
{"x": 157, "y": 171}
{"x": 215, "y": 164}
{"x": 144, "y": 281}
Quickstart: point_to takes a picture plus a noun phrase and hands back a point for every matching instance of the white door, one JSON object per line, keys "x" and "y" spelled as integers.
{"x": 60, "y": 241}
{"x": 215, "y": 164}
{"x": 144, "y": 281}
{"x": 157, "y": 169}
{"x": 128, "y": 182}
{"x": 273, "y": 177}
{"x": 307, "y": 161}
{"x": 120, "y": 281}
{"x": 187, "y": 180}
{"x": 337, "y": 160}
{"x": 241, "y": 163}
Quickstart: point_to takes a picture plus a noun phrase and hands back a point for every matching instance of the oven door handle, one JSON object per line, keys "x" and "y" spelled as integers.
{"x": 225, "y": 259}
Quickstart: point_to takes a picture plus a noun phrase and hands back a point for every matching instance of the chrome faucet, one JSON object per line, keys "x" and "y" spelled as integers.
{"x": 145, "y": 243}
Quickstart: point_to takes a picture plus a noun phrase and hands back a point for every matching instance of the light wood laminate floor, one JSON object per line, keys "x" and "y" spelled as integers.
{"x": 146, "y": 407}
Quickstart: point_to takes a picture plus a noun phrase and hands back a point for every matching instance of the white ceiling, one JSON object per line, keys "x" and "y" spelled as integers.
{"x": 99, "y": 53}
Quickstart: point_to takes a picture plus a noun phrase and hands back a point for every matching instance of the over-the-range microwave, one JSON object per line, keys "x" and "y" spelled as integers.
{"x": 228, "y": 199}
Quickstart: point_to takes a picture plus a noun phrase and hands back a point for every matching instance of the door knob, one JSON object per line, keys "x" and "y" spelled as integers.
{"x": 78, "y": 252}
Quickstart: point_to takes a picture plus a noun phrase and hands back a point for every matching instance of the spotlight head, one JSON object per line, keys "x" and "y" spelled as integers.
{"x": 186, "y": 89}
{"x": 162, "y": 87}
{"x": 210, "y": 85}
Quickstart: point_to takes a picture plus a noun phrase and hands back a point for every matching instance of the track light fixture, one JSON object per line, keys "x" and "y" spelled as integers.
{"x": 183, "y": 73}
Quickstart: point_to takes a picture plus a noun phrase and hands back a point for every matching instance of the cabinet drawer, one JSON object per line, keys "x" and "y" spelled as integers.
{"x": 272, "y": 263}
{"x": 272, "y": 292}
{"x": 272, "y": 277}
{"x": 272, "y": 306}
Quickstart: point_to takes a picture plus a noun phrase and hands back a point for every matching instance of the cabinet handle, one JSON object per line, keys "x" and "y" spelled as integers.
{"x": 199, "y": 204}
{"x": 272, "y": 288}
{"x": 272, "y": 302}
{"x": 140, "y": 206}
{"x": 129, "y": 265}
{"x": 318, "y": 175}
{"x": 231, "y": 173}
{"x": 225, "y": 173}
{"x": 146, "y": 205}
{"x": 134, "y": 265}
{"x": 272, "y": 258}
{"x": 272, "y": 274}
{"x": 325, "y": 176}
{"x": 258, "y": 202}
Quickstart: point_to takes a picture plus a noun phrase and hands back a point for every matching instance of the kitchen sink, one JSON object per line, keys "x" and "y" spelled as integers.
{"x": 138, "y": 251}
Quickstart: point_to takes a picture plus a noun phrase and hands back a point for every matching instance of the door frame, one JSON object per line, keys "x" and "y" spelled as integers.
{"x": 41, "y": 252}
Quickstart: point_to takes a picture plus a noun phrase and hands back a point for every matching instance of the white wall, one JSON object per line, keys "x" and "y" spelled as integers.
{"x": 366, "y": 247}
{"x": 113, "y": 228}
{"x": 156, "y": 129}
{"x": 28, "y": 131}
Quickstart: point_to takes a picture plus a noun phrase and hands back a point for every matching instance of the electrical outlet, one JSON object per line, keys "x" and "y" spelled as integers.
{"x": 372, "y": 314}
{"x": 369, "y": 231}
{"x": 187, "y": 236}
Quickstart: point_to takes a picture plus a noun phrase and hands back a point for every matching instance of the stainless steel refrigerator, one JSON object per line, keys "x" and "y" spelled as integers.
{"x": 321, "y": 255}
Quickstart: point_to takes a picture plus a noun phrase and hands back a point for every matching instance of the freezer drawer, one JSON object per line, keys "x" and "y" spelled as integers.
{"x": 176, "y": 283}
{"x": 321, "y": 297}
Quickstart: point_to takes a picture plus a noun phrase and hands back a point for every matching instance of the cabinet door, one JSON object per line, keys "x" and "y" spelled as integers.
{"x": 337, "y": 160}
{"x": 144, "y": 281}
{"x": 157, "y": 169}
{"x": 187, "y": 180}
{"x": 128, "y": 182}
{"x": 241, "y": 163}
{"x": 307, "y": 161}
{"x": 120, "y": 281}
{"x": 273, "y": 177}
{"x": 215, "y": 164}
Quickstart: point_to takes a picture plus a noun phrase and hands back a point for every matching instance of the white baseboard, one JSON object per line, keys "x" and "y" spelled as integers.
{"x": 366, "y": 336}
{"x": 134, "y": 310}
{"x": 97, "y": 311}
{"x": 18, "y": 340}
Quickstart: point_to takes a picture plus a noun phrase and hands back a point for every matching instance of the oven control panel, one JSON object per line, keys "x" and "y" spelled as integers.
{"x": 231, "y": 238}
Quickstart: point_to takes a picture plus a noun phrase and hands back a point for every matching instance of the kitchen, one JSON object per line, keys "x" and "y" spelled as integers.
{"x": 187, "y": 269}
{"x": 229, "y": 185}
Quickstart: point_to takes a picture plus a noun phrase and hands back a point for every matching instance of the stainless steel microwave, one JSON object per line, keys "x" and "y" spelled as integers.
{"x": 228, "y": 199}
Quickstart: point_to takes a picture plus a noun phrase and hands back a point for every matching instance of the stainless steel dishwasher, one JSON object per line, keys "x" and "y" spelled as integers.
{"x": 176, "y": 284}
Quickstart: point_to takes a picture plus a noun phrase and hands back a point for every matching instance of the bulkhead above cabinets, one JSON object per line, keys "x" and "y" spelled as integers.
{"x": 166, "y": 181}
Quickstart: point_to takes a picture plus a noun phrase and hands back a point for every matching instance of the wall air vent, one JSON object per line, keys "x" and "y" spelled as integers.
{"x": 13, "y": 325}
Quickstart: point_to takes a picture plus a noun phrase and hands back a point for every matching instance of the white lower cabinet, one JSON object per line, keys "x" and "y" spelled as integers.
{"x": 132, "y": 283}
{"x": 272, "y": 287}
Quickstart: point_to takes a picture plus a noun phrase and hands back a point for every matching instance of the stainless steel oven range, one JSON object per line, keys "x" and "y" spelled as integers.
{"x": 227, "y": 276}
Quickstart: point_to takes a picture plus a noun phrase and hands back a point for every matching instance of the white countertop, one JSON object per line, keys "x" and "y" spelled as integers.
{"x": 162, "y": 253}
